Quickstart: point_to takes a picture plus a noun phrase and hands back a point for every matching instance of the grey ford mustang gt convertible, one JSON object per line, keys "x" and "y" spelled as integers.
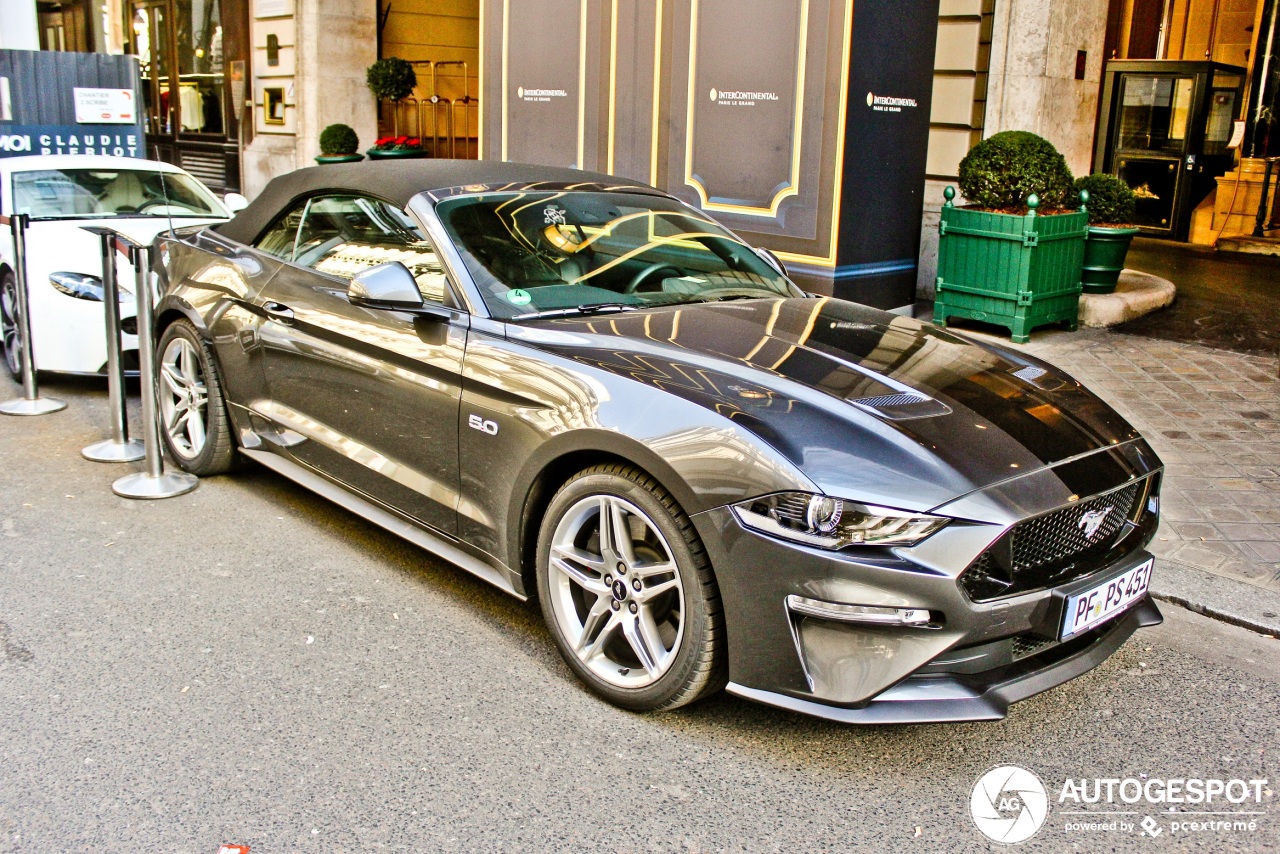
{"x": 584, "y": 391}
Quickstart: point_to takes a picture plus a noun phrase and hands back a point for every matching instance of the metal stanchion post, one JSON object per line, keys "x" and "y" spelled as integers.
{"x": 119, "y": 448}
{"x": 155, "y": 482}
{"x": 31, "y": 403}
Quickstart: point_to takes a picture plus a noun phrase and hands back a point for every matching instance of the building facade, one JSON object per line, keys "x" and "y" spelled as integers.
{"x": 237, "y": 91}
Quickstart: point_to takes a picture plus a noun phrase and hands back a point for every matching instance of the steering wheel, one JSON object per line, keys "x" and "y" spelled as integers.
{"x": 649, "y": 272}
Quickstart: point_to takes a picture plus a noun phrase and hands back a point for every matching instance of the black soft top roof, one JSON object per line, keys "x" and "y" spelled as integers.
{"x": 398, "y": 181}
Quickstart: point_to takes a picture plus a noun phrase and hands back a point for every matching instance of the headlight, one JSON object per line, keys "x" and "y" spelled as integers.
{"x": 78, "y": 285}
{"x": 834, "y": 523}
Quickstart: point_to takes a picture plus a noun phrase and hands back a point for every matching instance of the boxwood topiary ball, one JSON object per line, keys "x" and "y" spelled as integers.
{"x": 1111, "y": 201}
{"x": 391, "y": 79}
{"x": 1002, "y": 170}
{"x": 339, "y": 139}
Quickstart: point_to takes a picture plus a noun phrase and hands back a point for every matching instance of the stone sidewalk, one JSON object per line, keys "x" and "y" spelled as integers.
{"x": 1213, "y": 416}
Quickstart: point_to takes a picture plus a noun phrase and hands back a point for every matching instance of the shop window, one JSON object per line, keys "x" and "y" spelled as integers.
{"x": 201, "y": 92}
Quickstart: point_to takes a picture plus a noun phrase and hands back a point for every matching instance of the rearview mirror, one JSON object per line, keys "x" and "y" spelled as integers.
{"x": 235, "y": 202}
{"x": 388, "y": 285}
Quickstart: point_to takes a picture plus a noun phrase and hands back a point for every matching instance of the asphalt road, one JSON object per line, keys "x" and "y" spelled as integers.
{"x": 248, "y": 664}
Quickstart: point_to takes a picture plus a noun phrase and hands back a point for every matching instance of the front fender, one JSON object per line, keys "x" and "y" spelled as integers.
{"x": 546, "y": 409}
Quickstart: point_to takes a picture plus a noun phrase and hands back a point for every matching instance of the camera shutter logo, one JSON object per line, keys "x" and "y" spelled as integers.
{"x": 1009, "y": 804}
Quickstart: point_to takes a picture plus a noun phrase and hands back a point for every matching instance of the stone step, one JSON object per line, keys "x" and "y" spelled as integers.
{"x": 1248, "y": 245}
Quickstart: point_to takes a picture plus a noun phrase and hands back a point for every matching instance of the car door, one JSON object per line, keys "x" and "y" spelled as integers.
{"x": 368, "y": 397}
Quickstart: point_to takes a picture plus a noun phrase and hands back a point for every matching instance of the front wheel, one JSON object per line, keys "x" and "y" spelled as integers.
{"x": 193, "y": 417}
{"x": 628, "y": 592}
{"x": 9, "y": 324}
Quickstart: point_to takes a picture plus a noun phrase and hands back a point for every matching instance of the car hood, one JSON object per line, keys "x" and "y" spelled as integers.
{"x": 869, "y": 405}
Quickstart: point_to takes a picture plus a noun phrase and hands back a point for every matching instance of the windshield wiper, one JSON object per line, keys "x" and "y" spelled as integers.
{"x": 733, "y": 297}
{"x": 589, "y": 308}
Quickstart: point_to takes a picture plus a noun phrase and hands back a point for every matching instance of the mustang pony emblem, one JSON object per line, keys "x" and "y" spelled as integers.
{"x": 1092, "y": 521}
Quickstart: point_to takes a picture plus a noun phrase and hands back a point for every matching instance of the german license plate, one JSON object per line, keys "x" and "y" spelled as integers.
{"x": 1099, "y": 604}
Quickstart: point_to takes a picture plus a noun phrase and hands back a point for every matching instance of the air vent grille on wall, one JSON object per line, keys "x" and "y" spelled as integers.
{"x": 209, "y": 167}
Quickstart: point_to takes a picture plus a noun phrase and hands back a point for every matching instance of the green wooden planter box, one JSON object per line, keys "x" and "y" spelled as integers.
{"x": 1011, "y": 270}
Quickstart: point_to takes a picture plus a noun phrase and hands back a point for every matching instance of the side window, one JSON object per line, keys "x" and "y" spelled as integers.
{"x": 278, "y": 241}
{"x": 342, "y": 235}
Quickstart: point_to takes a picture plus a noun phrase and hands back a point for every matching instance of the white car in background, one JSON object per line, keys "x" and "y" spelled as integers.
{"x": 62, "y": 194}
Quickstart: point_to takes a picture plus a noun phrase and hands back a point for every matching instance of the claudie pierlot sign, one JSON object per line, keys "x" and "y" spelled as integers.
{"x": 69, "y": 103}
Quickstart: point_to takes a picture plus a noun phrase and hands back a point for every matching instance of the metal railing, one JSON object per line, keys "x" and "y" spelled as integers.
{"x": 1265, "y": 210}
{"x": 442, "y": 124}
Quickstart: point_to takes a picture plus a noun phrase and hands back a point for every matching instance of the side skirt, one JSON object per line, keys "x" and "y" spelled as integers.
{"x": 366, "y": 510}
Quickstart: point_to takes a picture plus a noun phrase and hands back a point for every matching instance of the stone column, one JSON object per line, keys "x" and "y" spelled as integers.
{"x": 325, "y": 50}
{"x": 1033, "y": 83}
{"x": 338, "y": 41}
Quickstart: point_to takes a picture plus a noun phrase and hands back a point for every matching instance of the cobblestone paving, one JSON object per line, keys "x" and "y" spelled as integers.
{"x": 1213, "y": 416}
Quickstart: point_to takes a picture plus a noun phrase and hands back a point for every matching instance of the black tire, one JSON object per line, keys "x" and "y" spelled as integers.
{"x": 11, "y": 340}
{"x": 696, "y": 661}
{"x": 216, "y": 454}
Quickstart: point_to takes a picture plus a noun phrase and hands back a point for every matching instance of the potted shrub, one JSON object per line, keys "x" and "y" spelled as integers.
{"x": 1111, "y": 208}
{"x": 1013, "y": 255}
{"x": 391, "y": 79}
{"x": 396, "y": 146}
{"x": 339, "y": 144}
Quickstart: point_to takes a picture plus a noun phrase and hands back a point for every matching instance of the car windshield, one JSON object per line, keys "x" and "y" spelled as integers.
{"x": 547, "y": 253}
{"x": 96, "y": 193}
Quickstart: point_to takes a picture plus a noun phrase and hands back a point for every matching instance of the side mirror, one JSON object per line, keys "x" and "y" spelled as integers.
{"x": 389, "y": 286}
{"x": 772, "y": 260}
{"x": 235, "y": 202}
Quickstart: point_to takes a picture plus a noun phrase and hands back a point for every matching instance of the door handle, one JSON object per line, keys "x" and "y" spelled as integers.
{"x": 278, "y": 311}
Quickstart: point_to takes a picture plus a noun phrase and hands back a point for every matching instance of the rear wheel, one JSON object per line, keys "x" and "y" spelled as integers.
{"x": 628, "y": 592}
{"x": 193, "y": 417}
{"x": 9, "y": 324}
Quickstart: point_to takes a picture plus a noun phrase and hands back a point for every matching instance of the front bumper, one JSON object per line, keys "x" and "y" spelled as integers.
{"x": 984, "y": 697}
{"x": 968, "y": 663}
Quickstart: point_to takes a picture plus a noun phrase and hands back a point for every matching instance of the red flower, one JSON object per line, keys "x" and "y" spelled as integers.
{"x": 401, "y": 140}
{"x": 413, "y": 142}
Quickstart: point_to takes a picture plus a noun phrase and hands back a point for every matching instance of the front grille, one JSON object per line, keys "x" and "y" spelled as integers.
{"x": 1025, "y": 646}
{"x": 1056, "y": 547}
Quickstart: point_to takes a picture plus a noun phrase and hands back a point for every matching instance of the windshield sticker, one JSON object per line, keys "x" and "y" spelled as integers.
{"x": 518, "y": 297}
{"x": 554, "y": 215}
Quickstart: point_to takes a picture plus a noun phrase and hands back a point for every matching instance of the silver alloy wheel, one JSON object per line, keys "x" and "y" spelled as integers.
{"x": 183, "y": 398}
{"x": 616, "y": 591}
{"x": 9, "y": 326}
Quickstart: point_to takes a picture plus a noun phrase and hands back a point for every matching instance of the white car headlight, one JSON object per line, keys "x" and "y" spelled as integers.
{"x": 833, "y": 523}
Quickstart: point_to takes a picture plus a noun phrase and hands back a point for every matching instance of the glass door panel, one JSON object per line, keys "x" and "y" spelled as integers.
{"x": 1154, "y": 112}
{"x": 201, "y": 91}
{"x": 151, "y": 36}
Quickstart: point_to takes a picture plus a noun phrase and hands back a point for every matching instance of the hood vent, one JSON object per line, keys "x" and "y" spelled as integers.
{"x": 902, "y": 406}
{"x": 1039, "y": 377}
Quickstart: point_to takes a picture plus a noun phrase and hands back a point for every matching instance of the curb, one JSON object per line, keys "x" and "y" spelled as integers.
{"x": 1236, "y": 602}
